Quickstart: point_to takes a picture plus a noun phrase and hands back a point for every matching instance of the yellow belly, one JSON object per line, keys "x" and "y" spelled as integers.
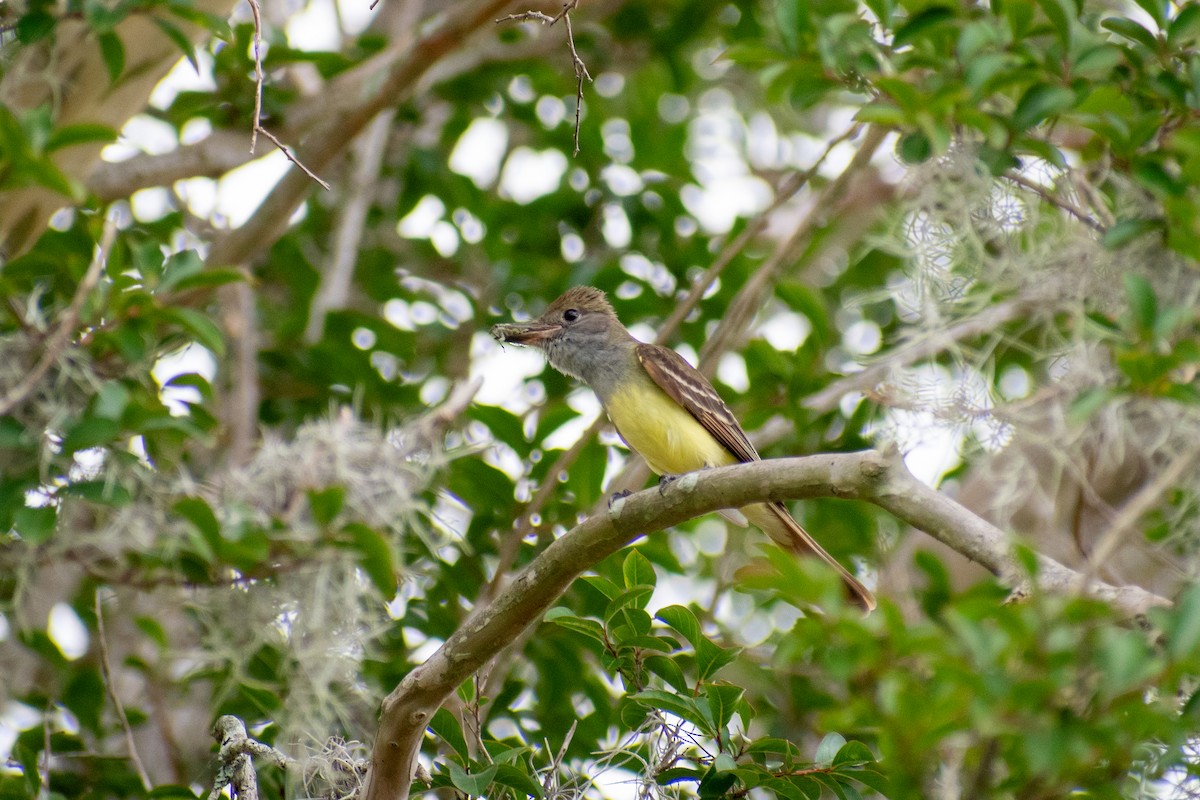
{"x": 667, "y": 436}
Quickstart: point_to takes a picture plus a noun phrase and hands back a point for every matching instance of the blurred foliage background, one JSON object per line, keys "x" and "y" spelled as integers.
{"x": 258, "y": 455}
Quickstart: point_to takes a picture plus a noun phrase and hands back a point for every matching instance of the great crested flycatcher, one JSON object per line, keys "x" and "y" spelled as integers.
{"x": 662, "y": 406}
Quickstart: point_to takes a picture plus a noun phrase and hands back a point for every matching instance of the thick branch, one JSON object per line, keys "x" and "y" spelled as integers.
{"x": 873, "y": 476}
{"x": 381, "y": 82}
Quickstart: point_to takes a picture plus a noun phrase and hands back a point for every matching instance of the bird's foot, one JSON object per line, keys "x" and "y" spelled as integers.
{"x": 664, "y": 481}
{"x": 621, "y": 495}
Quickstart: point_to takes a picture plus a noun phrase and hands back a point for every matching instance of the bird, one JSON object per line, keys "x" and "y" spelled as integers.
{"x": 662, "y": 407}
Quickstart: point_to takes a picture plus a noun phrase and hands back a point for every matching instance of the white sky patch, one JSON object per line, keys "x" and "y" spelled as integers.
{"x": 313, "y": 27}
{"x": 786, "y": 331}
{"x": 479, "y": 151}
{"x": 150, "y": 204}
{"x": 240, "y": 191}
{"x": 419, "y": 223}
{"x": 622, "y": 180}
{"x": 572, "y": 246}
{"x": 67, "y": 631}
{"x": 141, "y": 134}
{"x": 183, "y": 77}
{"x": 196, "y": 129}
{"x": 719, "y": 202}
{"x": 356, "y": 16}
{"x": 617, "y": 231}
{"x": 200, "y": 194}
{"x": 529, "y": 174}
{"x": 862, "y": 337}
{"x": 550, "y": 111}
{"x": 731, "y": 370}
{"x": 930, "y": 448}
{"x": 444, "y": 237}
{"x": 583, "y": 401}
{"x": 505, "y": 371}
{"x": 689, "y": 353}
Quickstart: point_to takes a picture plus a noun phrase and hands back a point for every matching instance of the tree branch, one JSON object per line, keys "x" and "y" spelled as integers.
{"x": 377, "y": 84}
{"x": 876, "y": 477}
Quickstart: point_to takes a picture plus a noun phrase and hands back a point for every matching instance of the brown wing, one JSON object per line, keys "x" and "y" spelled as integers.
{"x": 684, "y": 384}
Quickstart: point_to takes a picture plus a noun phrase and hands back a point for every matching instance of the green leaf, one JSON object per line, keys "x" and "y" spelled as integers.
{"x": 1132, "y": 31}
{"x": 1040, "y": 101}
{"x": 111, "y": 401}
{"x": 1185, "y": 28}
{"x": 207, "y": 279}
{"x": 1183, "y": 631}
{"x": 516, "y": 778}
{"x": 376, "y": 558}
{"x": 35, "y": 525}
{"x": 683, "y": 620}
{"x": 83, "y": 133}
{"x": 449, "y": 730}
{"x": 473, "y": 784}
{"x": 710, "y": 658}
{"x": 205, "y": 332}
{"x": 567, "y": 619}
{"x": 197, "y": 511}
{"x": 98, "y": 492}
{"x": 872, "y": 780}
{"x": 922, "y": 24}
{"x": 669, "y": 670}
{"x": 637, "y": 596}
{"x": 828, "y": 749}
{"x": 1126, "y": 230}
{"x": 679, "y": 705}
{"x": 34, "y": 26}
{"x": 90, "y": 432}
{"x": 723, "y": 700}
{"x": 1143, "y": 303}
{"x": 1060, "y": 13}
{"x": 637, "y": 570}
{"x": 181, "y": 265}
{"x": 603, "y": 585}
{"x": 678, "y": 775}
{"x": 180, "y": 39}
{"x": 914, "y": 148}
{"x": 326, "y": 503}
{"x": 172, "y": 792}
{"x": 113, "y": 53}
{"x": 853, "y": 754}
{"x": 1157, "y": 9}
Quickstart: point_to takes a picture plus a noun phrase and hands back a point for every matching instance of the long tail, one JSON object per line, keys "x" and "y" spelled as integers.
{"x": 776, "y": 522}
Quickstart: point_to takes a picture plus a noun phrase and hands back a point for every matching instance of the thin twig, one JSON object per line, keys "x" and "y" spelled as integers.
{"x": 581, "y": 70}
{"x": 110, "y": 685}
{"x": 258, "y": 73}
{"x": 258, "y": 90}
{"x": 58, "y": 341}
{"x": 44, "y": 765}
{"x": 291, "y": 157}
{"x": 1041, "y": 191}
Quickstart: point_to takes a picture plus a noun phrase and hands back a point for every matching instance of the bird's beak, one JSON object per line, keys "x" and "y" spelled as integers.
{"x": 534, "y": 333}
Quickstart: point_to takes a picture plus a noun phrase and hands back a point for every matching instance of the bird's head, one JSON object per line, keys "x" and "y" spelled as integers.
{"x": 573, "y": 329}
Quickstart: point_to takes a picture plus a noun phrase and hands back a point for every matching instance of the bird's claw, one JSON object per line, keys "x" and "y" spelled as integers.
{"x": 664, "y": 481}
{"x": 621, "y": 495}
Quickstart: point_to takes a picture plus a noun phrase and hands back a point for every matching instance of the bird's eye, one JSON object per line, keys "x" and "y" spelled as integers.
{"x": 571, "y": 314}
